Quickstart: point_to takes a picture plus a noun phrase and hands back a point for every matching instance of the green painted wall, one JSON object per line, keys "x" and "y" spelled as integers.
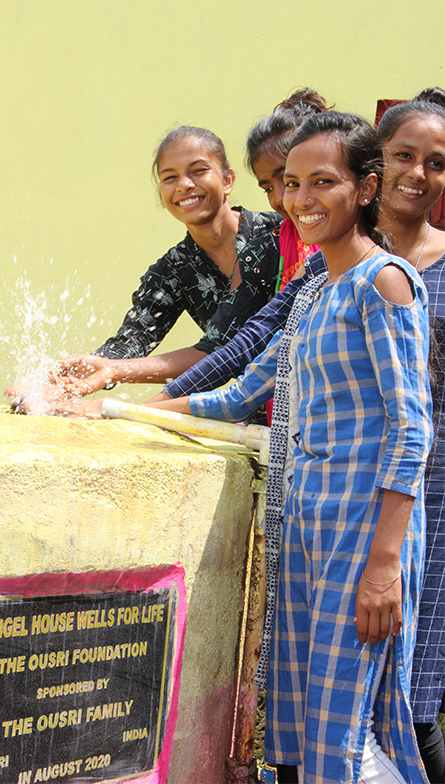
{"x": 88, "y": 87}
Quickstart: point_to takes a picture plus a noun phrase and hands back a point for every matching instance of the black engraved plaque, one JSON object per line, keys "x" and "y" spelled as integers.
{"x": 84, "y": 685}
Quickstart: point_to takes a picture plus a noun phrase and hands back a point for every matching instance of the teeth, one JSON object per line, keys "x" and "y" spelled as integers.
{"x": 186, "y": 202}
{"x": 308, "y": 219}
{"x": 414, "y": 191}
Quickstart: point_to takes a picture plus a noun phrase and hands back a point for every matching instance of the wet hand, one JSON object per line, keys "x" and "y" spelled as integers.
{"x": 26, "y": 400}
{"x": 83, "y": 374}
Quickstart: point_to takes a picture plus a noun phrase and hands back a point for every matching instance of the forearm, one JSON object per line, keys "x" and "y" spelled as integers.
{"x": 231, "y": 360}
{"x": 179, "y": 404}
{"x": 384, "y": 555}
{"x": 378, "y": 606}
{"x": 158, "y": 369}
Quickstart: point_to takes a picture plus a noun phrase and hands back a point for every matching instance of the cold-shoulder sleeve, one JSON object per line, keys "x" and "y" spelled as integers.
{"x": 397, "y": 341}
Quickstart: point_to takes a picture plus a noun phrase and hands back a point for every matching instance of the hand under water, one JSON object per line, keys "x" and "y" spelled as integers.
{"x": 83, "y": 374}
{"x": 54, "y": 401}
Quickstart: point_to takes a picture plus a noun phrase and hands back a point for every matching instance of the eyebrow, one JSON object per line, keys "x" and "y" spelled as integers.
{"x": 193, "y": 163}
{"x": 275, "y": 173}
{"x": 414, "y": 147}
{"x": 312, "y": 174}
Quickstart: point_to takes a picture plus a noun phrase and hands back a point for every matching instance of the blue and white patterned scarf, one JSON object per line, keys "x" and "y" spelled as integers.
{"x": 277, "y": 459}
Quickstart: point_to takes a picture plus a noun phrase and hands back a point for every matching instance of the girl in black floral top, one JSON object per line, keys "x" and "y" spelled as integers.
{"x": 222, "y": 272}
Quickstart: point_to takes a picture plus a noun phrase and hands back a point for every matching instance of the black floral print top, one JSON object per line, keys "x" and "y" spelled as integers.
{"x": 185, "y": 279}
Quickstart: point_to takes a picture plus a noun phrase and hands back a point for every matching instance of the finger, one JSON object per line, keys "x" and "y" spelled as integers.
{"x": 74, "y": 359}
{"x": 396, "y": 620}
{"x": 385, "y": 624}
{"x": 76, "y": 387}
{"x": 76, "y": 364}
{"x": 63, "y": 364}
{"x": 64, "y": 410}
{"x": 362, "y": 620}
{"x": 374, "y": 627}
{"x": 12, "y": 392}
{"x": 54, "y": 375}
{"x": 17, "y": 400}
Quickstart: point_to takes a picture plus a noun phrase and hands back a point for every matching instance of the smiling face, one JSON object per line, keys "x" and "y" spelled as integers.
{"x": 269, "y": 170}
{"x": 322, "y": 196}
{"x": 414, "y": 171}
{"x": 193, "y": 186}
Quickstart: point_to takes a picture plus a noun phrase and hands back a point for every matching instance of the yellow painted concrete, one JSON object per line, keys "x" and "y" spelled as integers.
{"x": 90, "y": 496}
{"x": 156, "y": 495}
{"x": 87, "y": 89}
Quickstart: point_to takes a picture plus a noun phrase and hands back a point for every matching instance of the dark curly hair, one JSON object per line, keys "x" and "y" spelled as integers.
{"x": 274, "y": 133}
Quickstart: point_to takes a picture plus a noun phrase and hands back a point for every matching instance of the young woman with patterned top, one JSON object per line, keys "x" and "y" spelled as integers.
{"x": 266, "y": 151}
{"x": 224, "y": 270}
{"x": 267, "y": 144}
{"x": 358, "y": 434}
{"x": 413, "y": 138}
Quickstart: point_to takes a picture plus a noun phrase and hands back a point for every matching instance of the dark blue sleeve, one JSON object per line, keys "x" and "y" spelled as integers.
{"x": 230, "y": 360}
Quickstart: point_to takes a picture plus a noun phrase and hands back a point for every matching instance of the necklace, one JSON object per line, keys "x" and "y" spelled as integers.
{"x": 317, "y": 293}
{"x": 233, "y": 268}
{"x": 229, "y": 281}
{"x": 362, "y": 257}
{"x": 423, "y": 246}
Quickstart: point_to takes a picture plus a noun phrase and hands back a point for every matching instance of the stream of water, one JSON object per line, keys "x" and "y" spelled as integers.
{"x": 38, "y": 327}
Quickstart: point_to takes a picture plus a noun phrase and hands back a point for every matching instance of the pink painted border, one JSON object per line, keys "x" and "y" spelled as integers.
{"x": 152, "y": 578}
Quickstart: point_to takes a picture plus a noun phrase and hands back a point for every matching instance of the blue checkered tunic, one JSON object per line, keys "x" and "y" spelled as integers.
{"x": 363, "y": 425}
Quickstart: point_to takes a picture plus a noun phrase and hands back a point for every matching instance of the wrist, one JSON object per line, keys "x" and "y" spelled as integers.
{"x": 384, "y": 583}
{"x": 117, "y": 371}
{"x": 381, "y": 571}
{"x": 384, "y": 558}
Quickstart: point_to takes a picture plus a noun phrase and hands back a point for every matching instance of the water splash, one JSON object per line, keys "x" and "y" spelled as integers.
{"x": 39, "y": 326}
{"x": 36, "y": 328}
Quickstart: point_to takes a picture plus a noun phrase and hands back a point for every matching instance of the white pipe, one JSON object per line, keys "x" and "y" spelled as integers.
{"x": 252, "y": 436}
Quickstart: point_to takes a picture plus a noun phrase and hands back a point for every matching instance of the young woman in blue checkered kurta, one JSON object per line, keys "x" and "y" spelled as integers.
{"x": 359, "y": 432}
{"x": 413, "y": 135}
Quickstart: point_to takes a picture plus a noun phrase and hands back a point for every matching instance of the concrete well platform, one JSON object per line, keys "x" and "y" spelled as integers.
{"x": 86, "y": 498}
